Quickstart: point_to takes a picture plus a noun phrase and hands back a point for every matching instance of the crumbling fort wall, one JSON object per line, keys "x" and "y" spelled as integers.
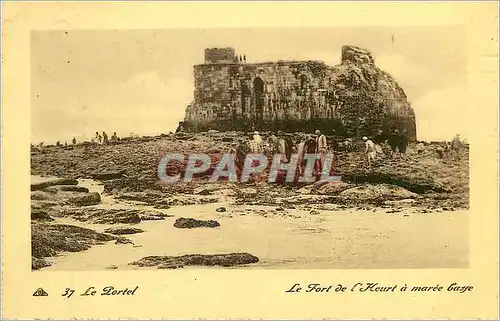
{"x": 354, "y": 98}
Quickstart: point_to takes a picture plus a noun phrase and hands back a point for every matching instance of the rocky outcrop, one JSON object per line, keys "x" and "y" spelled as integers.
{"x": 150, "y": 197}
{"x": 369, "y": 99}
{"x": 325, "y": 188}
{"x": 159, "y": 200}
{"x": 37, "y": 263}
{"x": 192, "y": 223}
{"x": 48, "y": 240}
{"x": 86, "y": 199}
{"x": 379, "y": 191}
{"x": 356, "y": 55}
{"x": 53, "y": 182}
{"x": 40, "y": 215}
{"x": 438, "y": 180}
{"x": 173, "y": 262}
{"x": 103, "y": 176}
{"x": 101, "y": 216}
{"x": 418, "y": 183}
{"x": 132, "y": 184}
{"x": 72, "y": 198}
{"x": 123, "y": 230}
{"x": 108, "y": 216}
{"x": 150, "y": 216}
{"x": 66, "y": 188}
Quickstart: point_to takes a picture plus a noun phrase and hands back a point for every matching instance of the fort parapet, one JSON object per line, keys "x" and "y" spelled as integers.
{"x": 354, "y": 98}
{"x": 220, "y": 55}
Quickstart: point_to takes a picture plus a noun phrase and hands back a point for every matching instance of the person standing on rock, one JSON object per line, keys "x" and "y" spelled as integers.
{"x": 403, "y": 141}
{"x": 456, "y": 145}
{"x": 232, "y": 149}
{"x": 242, "y": 149}
{"x": 259, "y": 145}
{"x": 98, "y": 137}
{"x": 281, "y": 148}
{"x": 252, "y": 144}
{"x": 321, "y": 144}
{"x": 300, "y": 153}
{"x": 321, "y": 147}
{"x": 272, "y": 140}
{"x": 74, "y": 140}
{"x": 440, "y": 150}
{"x": 420, "y": 148}
{"x": 105, "y": 138}
{"x": 394, "y": 141}
{"x": 310, "y": 148}
{"x": 370, "y": 150}
{"x": 288, "y": 146}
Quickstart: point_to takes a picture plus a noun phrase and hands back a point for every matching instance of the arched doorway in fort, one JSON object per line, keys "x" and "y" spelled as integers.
{"x": 258, "y": 88}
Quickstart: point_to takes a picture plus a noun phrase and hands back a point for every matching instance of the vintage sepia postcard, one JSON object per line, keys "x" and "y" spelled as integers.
{"x": 249, "y": 160}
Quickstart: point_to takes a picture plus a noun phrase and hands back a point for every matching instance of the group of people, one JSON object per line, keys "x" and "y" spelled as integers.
{"x": 285, "y": 145}
{"x": 380, "y": 145}
{"x": 451, "y": 149}
{"x": 398, "y": 145}
{"x": 240, "y": 58}
{"x": 59, "y": 144}
{"x": 396, "y": 141}
{"x": 317, "y": 143}
{"x": 104, "y": 138}
{"x": 97, "y": 139}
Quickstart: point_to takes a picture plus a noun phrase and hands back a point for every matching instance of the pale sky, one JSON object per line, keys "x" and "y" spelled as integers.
{"x": 142, "y": 80}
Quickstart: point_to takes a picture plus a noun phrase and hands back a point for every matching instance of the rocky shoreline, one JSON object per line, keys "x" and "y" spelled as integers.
{"x": 174, "y": 262}
{"x": 127, "y": 170}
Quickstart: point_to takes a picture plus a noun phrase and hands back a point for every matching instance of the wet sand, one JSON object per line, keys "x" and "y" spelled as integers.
{"x": 331, "y": 239}
{"x": 283, "y": 239}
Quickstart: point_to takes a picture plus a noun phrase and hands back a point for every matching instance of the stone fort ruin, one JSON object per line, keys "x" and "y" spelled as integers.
{"x": 354, "y": 98}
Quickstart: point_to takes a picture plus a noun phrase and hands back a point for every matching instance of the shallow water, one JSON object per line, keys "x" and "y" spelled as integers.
{"x": 331, "y": 239}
